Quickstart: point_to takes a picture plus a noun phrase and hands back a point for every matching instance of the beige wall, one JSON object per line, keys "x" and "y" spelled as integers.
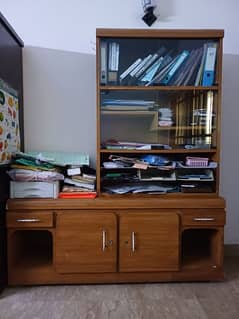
{"x": 59, "y": 101}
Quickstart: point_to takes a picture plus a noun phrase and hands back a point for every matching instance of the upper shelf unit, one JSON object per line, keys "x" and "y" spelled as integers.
{"x": 158, "y": 100}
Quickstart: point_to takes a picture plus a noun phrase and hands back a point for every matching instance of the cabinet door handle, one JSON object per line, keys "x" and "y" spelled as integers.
{"x": 204, "y": 219}
{"x": 28, "y": 220}
{"x": 103, "y": 240}
{"x": 133, "y": 247}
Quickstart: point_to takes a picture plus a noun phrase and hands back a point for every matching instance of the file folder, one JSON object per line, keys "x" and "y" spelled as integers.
{"x": 103, "y": 62}
{"x": 113, "y": 63}
{"x": 209, "y": 66}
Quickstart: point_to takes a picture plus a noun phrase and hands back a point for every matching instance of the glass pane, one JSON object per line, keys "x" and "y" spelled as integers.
{"x": 148, "y": 62}
{"x": 158, "y": 120}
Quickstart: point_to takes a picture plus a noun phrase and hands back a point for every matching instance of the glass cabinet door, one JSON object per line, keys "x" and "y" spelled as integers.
{"x": 153, "y": 62}
{"x": 157, "y": 120}
{"x": 158, "y": 112}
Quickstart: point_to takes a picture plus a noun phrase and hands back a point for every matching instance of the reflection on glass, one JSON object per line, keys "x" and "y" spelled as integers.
{"x": 157, "y": 120}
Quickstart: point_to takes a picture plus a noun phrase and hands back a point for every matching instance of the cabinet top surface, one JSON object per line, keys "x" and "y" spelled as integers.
{"x": 167, "y": 33}
{"x": 118, "y": 202}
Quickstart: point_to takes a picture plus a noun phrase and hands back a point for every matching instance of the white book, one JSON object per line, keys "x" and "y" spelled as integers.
{"x": 130, "y": 68}
{"x": 73, "y": 171}
{"x": 79, "y": 184}
{"x": 140, "y": 65}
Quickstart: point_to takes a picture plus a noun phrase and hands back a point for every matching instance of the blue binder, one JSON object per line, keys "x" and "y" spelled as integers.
{"x": 209, "y": 66}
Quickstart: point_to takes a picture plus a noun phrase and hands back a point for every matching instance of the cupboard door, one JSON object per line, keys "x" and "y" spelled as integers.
{"x": 149, "y": 242}
{"x": 85, "y": 242}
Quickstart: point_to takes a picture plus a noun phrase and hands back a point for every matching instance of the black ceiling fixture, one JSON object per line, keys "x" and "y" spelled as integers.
{"x": 149, "y": 17}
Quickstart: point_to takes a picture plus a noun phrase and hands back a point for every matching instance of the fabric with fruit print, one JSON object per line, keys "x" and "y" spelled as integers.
{"x": 9, "y": 126}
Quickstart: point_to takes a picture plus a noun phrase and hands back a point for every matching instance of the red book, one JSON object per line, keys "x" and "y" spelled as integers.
{"x": 77, "y": 195}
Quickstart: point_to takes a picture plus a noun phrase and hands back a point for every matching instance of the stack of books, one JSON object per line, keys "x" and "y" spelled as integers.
{"x": 79, "y": 183}
{"x": 165, "y": 116}
{"x": 33, "y": 178}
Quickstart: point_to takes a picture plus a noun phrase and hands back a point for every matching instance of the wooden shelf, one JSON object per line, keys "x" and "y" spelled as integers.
{"x": 157, "y": 87}
{"x": 197, "y": 262}
{"x": 172, "y": 151}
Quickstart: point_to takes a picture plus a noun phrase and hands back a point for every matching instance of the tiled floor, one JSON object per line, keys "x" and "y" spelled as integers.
{"x": 134, "y": 301}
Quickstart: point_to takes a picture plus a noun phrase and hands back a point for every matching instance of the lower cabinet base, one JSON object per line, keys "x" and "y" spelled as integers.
{"x": 105, "y": 241}
{"x": 49, "y": 276}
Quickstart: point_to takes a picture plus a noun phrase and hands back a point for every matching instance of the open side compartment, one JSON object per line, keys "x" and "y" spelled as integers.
{"x": 202, "y": 248}
{"x": 32, "y": 248}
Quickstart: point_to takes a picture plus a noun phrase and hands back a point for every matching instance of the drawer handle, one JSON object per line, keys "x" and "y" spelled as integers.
{"x": 133, "y": 247}
{"x": 204, "y": 219}
{"x": 28, "y": 220}
{"x": 103, "y": 240}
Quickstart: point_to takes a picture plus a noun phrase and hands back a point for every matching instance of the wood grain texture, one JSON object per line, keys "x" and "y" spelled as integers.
{"x": 29, "y": 219}
{"x": 170, "y": 245}
{"x": 148, "y": 241}
{"x": 166, "y": 33}
{"x": 203, "y": 217}
{"x": 138, "y": 202}
{"x": 85, "y": 242}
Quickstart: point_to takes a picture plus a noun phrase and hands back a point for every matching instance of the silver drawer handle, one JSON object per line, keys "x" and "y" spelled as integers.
{"x": 103, "y": 240}
{"x": 133, "y": 241}
{"x": 28, "y": 220}
{"x": 204, "y": 219}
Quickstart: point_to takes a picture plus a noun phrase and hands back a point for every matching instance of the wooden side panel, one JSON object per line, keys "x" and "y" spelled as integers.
{"x": 85, "y": 242}
{"x": 149, "y": 242}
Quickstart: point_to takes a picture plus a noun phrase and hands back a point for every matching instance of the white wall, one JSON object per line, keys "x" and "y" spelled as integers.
{"x": 59, "y": 51}
{"x": 70, "y": 25}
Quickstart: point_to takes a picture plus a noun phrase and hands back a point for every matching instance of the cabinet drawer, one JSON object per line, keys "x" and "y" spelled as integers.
{"x": 31, "y": 219}
{"x": 203, "y": 217}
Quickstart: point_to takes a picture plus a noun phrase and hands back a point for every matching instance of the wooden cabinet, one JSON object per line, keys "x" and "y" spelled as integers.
{"x": 158, "y": 215}
{"x": 86, "y": 241}
{"x": 148, "y": 241}
{"x": 115, "y": 241}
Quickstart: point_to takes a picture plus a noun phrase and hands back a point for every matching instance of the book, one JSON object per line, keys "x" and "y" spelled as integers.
{"x": 129, "y": 69}
{"x": 198, "y": 80}
{"x": 184, "y": 70}
{"x": 193, "y": 67}
{"x": 167, "y": 62}
{"x": 151, "y": 71}
{"x": 79, "y": 183}
{"x": 146, "y": 65}
{"x": 73, "y": 171}
{"x": 149, "y": 63}
{"x": 172, "y": 70}
{"x": 209, "y": 66}
{"x": 72, "y": 195}
{"x": 80, "y": 178}
{"x": 130, "y": 79}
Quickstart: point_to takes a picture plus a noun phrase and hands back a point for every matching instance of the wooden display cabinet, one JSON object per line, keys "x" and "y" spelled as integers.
{"x": 158, "y": 111}
{"x": 158, "y": 215}
{"x": 122, "y": 240}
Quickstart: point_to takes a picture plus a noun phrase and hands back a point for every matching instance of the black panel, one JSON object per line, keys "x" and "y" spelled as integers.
{"x": 11, "y": 65}
{"x": 11, "y": 72}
